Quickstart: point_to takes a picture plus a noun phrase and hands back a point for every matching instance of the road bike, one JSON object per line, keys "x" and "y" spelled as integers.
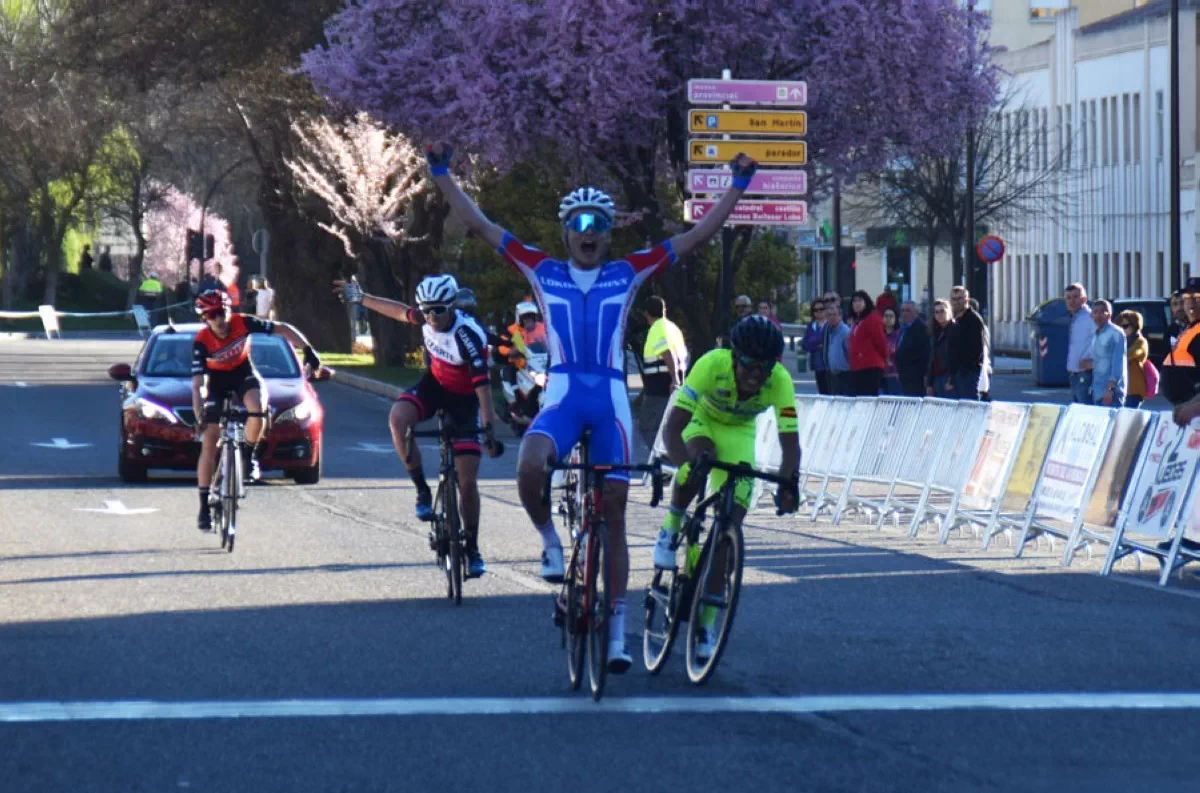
{"x": 447, "y": 537}
{"x": 676, "y": 596}
{"x": 582, "y": 606}
{"x": 229, "y": 483}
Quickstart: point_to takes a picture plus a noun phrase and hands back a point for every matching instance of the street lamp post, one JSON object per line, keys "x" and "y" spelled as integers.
{"x": 1173, "y": 163}
{"x": 970, "y": 273}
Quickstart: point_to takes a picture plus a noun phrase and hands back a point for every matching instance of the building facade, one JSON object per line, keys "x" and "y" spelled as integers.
{"x": 1098, "y": 97}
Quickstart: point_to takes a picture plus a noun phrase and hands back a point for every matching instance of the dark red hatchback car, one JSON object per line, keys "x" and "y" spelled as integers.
{"x": 157, "y": 417}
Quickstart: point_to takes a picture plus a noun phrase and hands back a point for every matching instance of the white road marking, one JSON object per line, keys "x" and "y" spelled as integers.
{"x": 21, "y": 384}
{"x": 146, "y": 710}
{"x": 374, "y": 448}
{"x": 117, "y": 508}
{"x": 61, "y": 443}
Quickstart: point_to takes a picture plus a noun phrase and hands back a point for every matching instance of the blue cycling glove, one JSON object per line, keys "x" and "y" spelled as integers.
{"x": 742, "y": 176}
{"x": 439, "y": 166}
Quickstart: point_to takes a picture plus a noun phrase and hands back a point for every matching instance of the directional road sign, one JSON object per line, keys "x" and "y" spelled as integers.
{"x": 764, "y": 182}
{"x": 753, "y": 213}
{"x": 748, "y": 92}
{"x": 767, "y": 152}
{"x": 758, "y": 122}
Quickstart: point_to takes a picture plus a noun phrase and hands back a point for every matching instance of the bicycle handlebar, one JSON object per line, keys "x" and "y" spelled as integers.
{"x": 738, "y": 470}
{"x": 654, "y": 469}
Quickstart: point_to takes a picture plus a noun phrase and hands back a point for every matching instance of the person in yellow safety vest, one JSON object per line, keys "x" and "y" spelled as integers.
{"x": 529, "y": 330}
{"x": 664, "y": 365}
{"x": 1180, "y": 374}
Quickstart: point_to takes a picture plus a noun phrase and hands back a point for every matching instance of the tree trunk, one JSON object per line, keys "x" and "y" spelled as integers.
{"x": 930, "y": 283}
{"x": 305, "y": 260}
{"x": 390, "y": 339}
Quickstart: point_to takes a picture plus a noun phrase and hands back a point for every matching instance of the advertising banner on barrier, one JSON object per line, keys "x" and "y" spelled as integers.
{"x": 1171, "y": 458}
{"x": 1035, "y": 444}
{"x": 1074, "y": 452}
{"x": 1113, "y": 478}
{"x": 986, "y": 482}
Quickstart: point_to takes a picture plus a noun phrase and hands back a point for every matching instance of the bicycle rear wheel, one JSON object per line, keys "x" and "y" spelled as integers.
{"x": 725, "y": 542}
{"x": 575, "y": 618}
{"x": 216, "y": 502}
{"x": 598, "y": 602}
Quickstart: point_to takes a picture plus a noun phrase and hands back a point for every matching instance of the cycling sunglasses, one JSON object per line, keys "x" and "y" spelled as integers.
{"x": 589, "y": 221}
{"x": 216, "y": 313}
{"x": 434, "y": 311}
{"x": 754, "y": 364}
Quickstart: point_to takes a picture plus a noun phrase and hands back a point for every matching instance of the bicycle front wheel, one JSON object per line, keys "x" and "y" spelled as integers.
{"x": 662, "y": 619}
{"x": 598, "y": 600}
{"x": 229, "y": 497}
{"x": 454, "y": 557}
{"x": 714, "y": 601}
{"x": 575, "y": 620}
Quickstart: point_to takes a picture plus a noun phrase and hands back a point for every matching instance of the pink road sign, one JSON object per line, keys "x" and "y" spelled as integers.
{"x": 793, "y": 93}
{"x": 784, "y": 183}
{"x": 753, "y": 213}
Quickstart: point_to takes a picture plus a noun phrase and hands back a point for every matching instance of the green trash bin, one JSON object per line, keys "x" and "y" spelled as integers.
{"x": 801, "y": 362}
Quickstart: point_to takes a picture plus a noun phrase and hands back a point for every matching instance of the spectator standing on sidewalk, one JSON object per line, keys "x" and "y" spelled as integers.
{"x": 940, "y": 384}
{"x": 1179, "y": 318}
{"x": 742, "y": 306}
{"x": 1079, "y": 343}
{"x": 868, "y": 346}
{"x": 912, "y": 351}
{"x": 891, "y": 328}
{"x": 814, "y": 345}
{"x": 985, "y": 372}
{"x": 968, "y": 345}
{"x": 837, "y": 351}
{"x": 765, "y": 309}
{"x": 1137, "y": 351}
{"x": 1108, "y": 358}
{"x": 1180, "y": 373}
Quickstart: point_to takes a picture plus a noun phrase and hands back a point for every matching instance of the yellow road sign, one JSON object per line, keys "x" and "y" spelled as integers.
{"x": 767, "y": 152}
{"x": 754, "y": 121}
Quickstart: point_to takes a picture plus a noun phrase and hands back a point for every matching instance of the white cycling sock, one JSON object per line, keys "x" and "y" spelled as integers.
{"x": 616, "y": 621}
{"x": 549, "y": 535}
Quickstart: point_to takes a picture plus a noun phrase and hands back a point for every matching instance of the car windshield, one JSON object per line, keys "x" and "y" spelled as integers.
{"x": 170, "y": 355}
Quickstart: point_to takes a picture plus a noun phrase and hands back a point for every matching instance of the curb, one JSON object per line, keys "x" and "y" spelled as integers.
{"x": 367, "y": 384}
{"x": 85, "y": 335}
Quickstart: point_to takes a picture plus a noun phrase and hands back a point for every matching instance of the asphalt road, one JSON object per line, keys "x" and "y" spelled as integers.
{"x": 322, "y": 655}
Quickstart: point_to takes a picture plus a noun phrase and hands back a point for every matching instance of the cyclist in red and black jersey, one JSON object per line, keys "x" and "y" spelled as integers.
{"x": 221, "y": 355}
{"x": 457, "y": 382}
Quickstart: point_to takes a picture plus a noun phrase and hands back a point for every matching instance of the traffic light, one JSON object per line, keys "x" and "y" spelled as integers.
{"x": 195, "y": 248}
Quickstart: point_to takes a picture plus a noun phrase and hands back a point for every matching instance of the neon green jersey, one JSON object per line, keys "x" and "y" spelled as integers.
{"x": 710, "y": 389}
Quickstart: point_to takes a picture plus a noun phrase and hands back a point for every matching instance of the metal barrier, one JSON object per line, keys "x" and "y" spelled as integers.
{"x": 882, "y": 453}
{"x": 50, "y": 316}
{"x": 981, "y": 495}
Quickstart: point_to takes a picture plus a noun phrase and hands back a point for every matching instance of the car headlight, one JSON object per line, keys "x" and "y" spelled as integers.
{"x": 301, "y": 412}
{"x": 152, "y": 411}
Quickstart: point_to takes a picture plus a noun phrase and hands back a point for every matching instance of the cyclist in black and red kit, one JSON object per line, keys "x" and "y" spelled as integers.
{"x": 456, "y": 382}
{"x": 221, "y": 354}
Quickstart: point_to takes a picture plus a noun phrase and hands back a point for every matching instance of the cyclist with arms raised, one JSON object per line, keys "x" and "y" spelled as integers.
{"x": 456, "y": 382}
{"x": 221, "y": 355}
{"x": 714, "y": 414}
{"x": 584, "y": 302}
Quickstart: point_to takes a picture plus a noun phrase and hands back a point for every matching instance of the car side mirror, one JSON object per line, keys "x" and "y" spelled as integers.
{"x": 121, "y": 372}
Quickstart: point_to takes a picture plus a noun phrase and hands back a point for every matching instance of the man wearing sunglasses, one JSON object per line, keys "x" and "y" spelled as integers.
{"x": 221, "y": 358}
{"x": 714, "y": 413}
{"x": 456, "y": 381}
{"x": 585, "y": 300}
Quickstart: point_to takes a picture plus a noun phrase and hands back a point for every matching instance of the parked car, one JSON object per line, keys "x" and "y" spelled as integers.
{"x": 157, "y": 419}
{"x": 1156, "y": 317}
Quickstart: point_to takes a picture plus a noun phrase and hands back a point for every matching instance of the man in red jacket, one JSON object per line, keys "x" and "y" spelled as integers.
{"x": 868, "y": 346}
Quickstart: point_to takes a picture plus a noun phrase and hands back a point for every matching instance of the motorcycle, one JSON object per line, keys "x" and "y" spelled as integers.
{"x": 525, "y": 386}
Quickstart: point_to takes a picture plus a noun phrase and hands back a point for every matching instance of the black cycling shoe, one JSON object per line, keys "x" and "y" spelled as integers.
{"x": 204, "y": 520}
{"x": 425, "y": 505}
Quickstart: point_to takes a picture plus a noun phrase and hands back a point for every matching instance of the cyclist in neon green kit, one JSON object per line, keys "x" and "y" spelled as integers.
{"x": 714, "y": 413}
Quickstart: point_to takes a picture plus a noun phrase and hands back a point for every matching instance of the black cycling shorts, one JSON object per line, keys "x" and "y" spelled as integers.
{"x": 237, "y": 382}
{"x": 429, "y": 397}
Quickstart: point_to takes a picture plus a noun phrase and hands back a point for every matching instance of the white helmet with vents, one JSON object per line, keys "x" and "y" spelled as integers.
{"x": 437, "y": 290}
{"x": 526, "y": 307}
{"x": 586, "y": 198}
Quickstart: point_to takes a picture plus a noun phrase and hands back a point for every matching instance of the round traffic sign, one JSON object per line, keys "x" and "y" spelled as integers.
{"x": 990, "y": 249}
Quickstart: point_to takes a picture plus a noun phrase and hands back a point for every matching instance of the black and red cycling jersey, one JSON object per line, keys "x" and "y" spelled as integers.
{"x": 211, "y": 354}
{"x": 457, "y": 356}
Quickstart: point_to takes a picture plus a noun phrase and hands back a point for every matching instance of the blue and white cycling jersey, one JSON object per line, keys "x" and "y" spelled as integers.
{"x": 585, "y": 315}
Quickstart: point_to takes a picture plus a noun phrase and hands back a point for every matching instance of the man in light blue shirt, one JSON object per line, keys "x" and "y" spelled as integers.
{"x": 1108, "y": 358}
{"x": 1080, "y": 331}
{"x": 837, "y": 350}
